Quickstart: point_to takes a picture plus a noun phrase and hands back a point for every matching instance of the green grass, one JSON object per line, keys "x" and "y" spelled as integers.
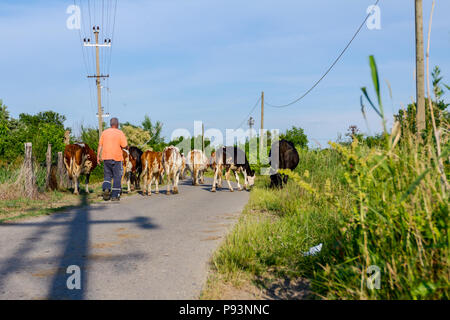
{"x": 383, "y": 207}
{"x": 279, "y": 225}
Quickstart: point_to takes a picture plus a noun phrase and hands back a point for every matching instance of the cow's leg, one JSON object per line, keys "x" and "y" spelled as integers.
{"x": 175, "y": 184}
{"x": 216, "y": 173}
{"x": 75, "y": 179}
{"x": 220, "y": 179}
{"x": 245, "y": 179}
{"x": 151, "y": 180}
{"x": 227, "y": 177}
{"x": 138, "y": 180}
{"x": 129, "y": 181}
{"x": 236, "y": 175}
{"x": 202, "y": 176}
{"x": 87, "y": 182}
{"x": 169, "y": 178}
{"x": 195, "y": 176}
{"x": 156, "y": 184}
{"x": 145, "y": 190}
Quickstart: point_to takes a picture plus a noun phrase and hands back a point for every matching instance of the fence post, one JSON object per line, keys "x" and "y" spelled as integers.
{"x": 28, "y": 171}
{"x": 48, "y": 162}
{"x": 62, "y": 173}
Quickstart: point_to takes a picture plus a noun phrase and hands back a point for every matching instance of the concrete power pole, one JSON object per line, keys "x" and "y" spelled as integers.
{"x": 98, "y": 76}
{"x": 420, "y": 69}
{"x": 203, "y": 137}
{"x": 251, "y": 122}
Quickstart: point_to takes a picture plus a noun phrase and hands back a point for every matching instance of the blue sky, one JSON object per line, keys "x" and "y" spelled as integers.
{"x": 209, "y": 60}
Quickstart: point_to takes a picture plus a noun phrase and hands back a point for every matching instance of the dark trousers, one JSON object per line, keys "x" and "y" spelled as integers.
{"x": 112, "y": 170}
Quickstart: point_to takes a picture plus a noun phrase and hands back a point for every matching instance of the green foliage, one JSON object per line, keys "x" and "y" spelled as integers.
{"x": 186, "y": 145}
{"x": 154, "y": 130}
{"x": 40, "y": 129}
{"x": 407, "y": 117}
{"x": 378, "y": 202}
{"x": 136, "y": 136}
{"x": 278, "y": 225}
{"x": 397, "y": 220}
{"x": 90, "y": 137}
{"x": 297, "y": 136}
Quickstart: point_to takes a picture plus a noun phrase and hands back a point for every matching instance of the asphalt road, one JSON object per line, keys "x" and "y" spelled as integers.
{"x": 154, "y": 247}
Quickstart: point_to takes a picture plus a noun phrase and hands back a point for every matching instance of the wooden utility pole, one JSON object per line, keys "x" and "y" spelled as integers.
{"x": 98, "y": 76}
{"x": 62, "y": 173}
{"x": 48, "y": 162}
{"x": 28, "y": 173}
{"x": 420, "y": 73}
{"x": 261, "y": 135}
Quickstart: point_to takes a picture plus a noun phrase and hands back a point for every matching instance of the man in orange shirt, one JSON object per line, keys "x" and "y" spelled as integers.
{"x": 110, "y": 148}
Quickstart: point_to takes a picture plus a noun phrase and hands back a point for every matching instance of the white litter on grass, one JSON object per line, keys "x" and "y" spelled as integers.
{"x": 313, "y": 250}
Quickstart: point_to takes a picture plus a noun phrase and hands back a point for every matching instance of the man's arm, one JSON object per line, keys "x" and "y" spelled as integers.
{"x": 123, "y": 142}
{"x": 99, "y": 150}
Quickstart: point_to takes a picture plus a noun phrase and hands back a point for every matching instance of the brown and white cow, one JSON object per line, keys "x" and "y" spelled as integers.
{"x": 172, "y": 163}
{"x": 183, "y": 167}
{"x": 153, "y": 169}
{"x": 232, "y": 159}
{"x": 197, "y": 163}
{"x": 129, "y": 167}
{"x": 79, "y": 159}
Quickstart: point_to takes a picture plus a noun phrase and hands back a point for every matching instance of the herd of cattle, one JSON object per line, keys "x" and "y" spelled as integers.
{"x": 152, "y": 166}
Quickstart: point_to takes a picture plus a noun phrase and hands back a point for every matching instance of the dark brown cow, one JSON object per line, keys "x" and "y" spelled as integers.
{"x": 79, "y": 159}
{"x": 288, "y": 158}
{"x": 136, "y": 153}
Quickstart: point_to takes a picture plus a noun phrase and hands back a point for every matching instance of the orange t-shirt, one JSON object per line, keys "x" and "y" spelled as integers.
{"x": 112, "y": 141}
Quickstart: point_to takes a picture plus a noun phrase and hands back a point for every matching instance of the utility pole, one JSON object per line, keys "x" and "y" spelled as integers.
{"x": 98, "y": 76}
{"x": 261, "y": 135}
{"x": 203, "y": 137}
{"x": 420, "y": 72}
{"x": 251, "y": 122}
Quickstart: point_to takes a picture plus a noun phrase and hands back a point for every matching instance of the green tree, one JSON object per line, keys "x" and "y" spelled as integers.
{"x": 90, "y": 137}
{"x": 407, "y": 116}
{"x": 154, "y": 130}
{"x": 40, "y": 129}
{"x": 297, "y": 136}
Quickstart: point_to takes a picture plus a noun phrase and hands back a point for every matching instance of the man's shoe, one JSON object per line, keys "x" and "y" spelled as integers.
{"x": 106, "y": 194}
{"x": 115, "y": 199}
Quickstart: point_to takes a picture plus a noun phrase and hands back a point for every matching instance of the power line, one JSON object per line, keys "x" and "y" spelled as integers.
{"x": 329, "y": 69}
{"x": 251, "y": 111}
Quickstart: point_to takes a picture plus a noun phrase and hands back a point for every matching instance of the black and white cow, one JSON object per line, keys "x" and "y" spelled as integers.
{"x": 232, "y": 159}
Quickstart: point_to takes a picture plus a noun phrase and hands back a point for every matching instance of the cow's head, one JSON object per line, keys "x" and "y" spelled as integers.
{"x": 251, "y": 178}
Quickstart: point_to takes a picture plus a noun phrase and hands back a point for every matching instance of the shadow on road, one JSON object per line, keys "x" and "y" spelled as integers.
{"x": 74, "y": 248}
